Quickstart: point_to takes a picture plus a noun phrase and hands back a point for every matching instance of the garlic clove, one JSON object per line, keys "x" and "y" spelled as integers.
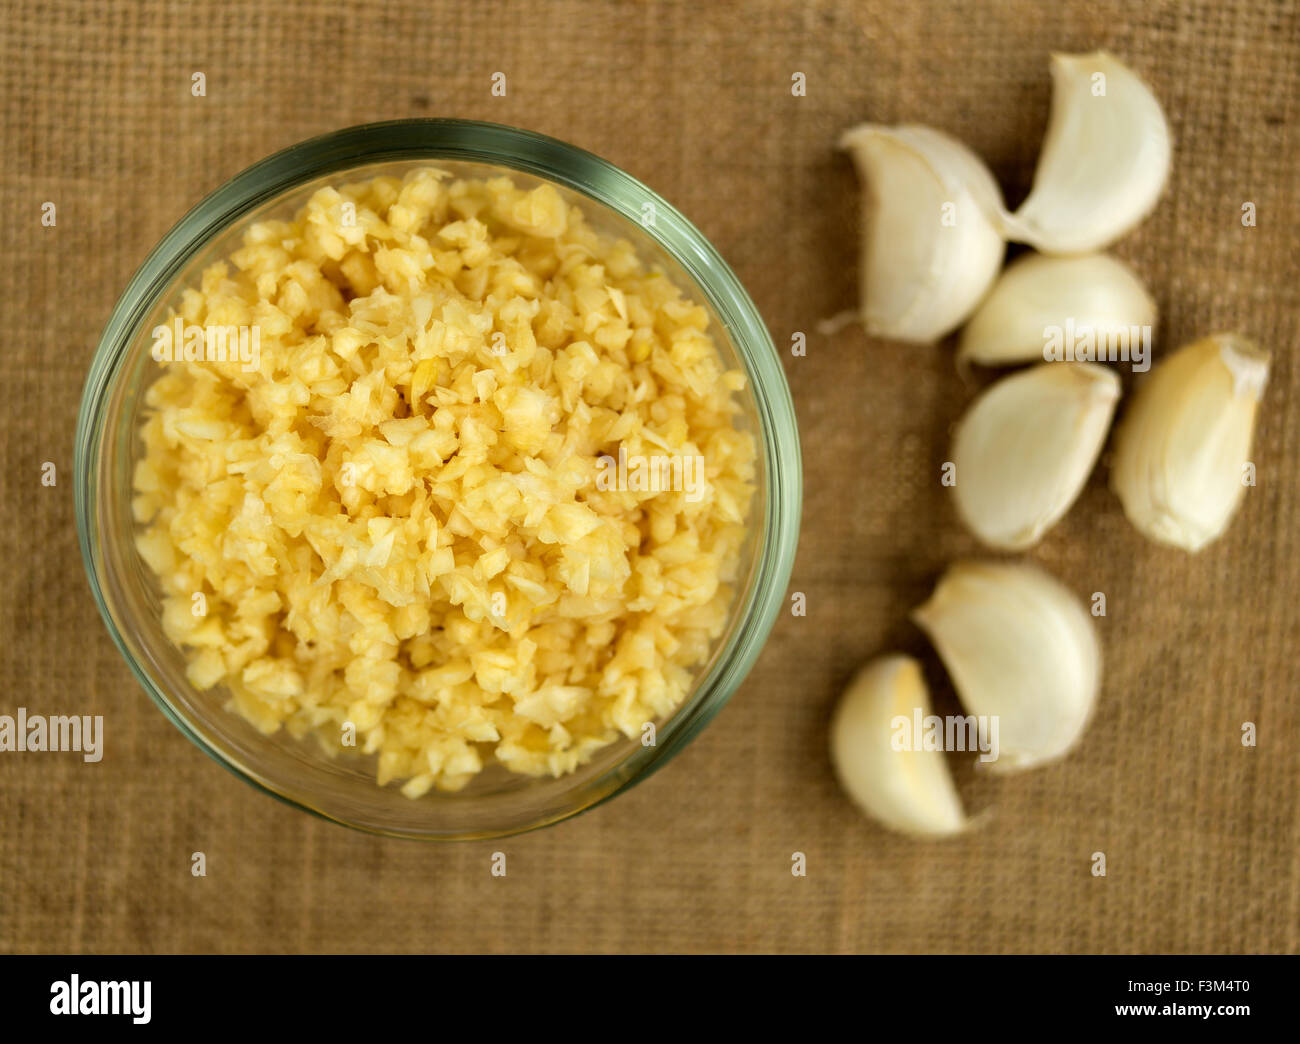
{"x": 1024, "y": 449}
{"x": 910, "y": 791}
{"x": 1019, "y": 648}
{"x": 1182, "y": 449}
{"x": 930, "y": 248}
{"x": 1104, "y": 161}
{"x": 1040, "y": 301}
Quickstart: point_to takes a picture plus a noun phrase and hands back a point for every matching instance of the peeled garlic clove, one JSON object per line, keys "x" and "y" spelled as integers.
{"x": 1019, "y": 648}
{"x": 1026, "y": 446}
{"x": 1041, "y": 300}
{"x": 909, "y": 791}
{"x": 930, "y": 248}
{"x": 1104, "y": 161}
{"x": 1182, "y": 449}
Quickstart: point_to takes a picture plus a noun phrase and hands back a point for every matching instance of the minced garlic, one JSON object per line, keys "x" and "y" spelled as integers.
{"x": 409, "y": 524}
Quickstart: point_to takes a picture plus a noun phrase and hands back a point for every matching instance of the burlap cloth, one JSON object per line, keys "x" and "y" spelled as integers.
{"x": 1201, "y": 835}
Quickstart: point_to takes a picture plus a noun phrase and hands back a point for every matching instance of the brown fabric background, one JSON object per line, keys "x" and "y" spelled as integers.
{"x": 1202, "y": 836}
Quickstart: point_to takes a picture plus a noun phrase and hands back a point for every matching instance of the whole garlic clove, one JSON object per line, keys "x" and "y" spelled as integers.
{"x": 1039, "y": 297}
{"x": 930, "y": 247}
{"x": 1182, "y": 448}
{"x": 910, "y": 791}
{"x": 1104, "y": 161}
{"x": 1019, "y": 648}
{"x": 1026, "y": 446}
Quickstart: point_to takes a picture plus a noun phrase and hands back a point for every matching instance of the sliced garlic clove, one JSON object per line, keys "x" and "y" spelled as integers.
{"x": 1104, "y": 161}
{"x": 930, "y": 248}
{"x": 1182, "y": 449}
{"x": 1020, "y": 648}
{"x": 1025, "y": 448}
{"x": 910, "y": 791}
{"x": 1042, "y": 300}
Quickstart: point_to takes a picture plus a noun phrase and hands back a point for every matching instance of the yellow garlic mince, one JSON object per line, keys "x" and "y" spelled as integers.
{"x": 481, "y": 495}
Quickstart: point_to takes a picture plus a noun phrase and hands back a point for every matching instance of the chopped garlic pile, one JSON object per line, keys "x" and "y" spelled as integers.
{"x": 397, "y": 518}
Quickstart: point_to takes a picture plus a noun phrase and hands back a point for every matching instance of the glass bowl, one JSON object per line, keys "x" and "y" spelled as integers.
{"x": 342, "y": 789}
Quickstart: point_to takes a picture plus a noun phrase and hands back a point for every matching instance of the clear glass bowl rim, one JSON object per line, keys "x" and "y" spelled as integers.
{"x": 541, "y": 156}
